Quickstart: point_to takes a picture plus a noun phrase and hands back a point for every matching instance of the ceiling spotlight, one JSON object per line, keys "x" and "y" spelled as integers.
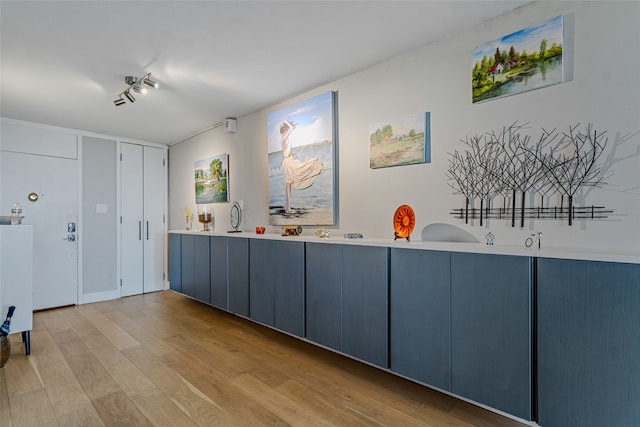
{"x": 150, "y": 82}
{"x": 130, "y": 97}
{"x": 136, "y": 84}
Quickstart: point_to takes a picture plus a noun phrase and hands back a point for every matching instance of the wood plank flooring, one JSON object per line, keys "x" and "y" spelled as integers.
{"x": 162, "y": 359}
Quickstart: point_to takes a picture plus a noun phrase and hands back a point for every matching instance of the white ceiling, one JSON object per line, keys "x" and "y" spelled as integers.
{"x": 63, "y": 62}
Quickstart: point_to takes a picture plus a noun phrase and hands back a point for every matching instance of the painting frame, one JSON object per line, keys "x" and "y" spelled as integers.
{"x": 400, "y": 142}
{"x": 211, "y": 179}
{"x": 302, "y": 143}
{"x": 528, "y": 59}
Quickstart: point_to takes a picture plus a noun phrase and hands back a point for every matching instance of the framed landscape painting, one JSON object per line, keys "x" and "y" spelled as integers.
{"x": 529, "y": 59}
{"x": 211, "y": 179}
{"x": 398, "y": 142}
{"x": 302, "y": 162}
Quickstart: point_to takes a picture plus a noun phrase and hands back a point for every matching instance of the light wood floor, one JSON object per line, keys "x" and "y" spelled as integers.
{"x": 162, "y": 359}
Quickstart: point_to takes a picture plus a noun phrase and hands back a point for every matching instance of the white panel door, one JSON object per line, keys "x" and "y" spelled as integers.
{"x": 154, "y": 238}
{"x": 55, "y": 255}
{"x": 131, "y": 190}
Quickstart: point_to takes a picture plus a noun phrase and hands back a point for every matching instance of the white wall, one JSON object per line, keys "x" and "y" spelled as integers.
{"x": 600, "y": 47}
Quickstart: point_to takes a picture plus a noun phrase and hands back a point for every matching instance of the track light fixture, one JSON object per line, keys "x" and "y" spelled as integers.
{"x": 135, "y": 85}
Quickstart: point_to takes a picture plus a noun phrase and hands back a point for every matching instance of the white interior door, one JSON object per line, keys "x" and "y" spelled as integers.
{"x": 55, "y": 255}
{"x": 132, "y": 228}
{"x": 153, "y": 198}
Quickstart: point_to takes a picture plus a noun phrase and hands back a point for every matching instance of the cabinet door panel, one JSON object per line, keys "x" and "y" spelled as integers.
{"x": 419, "y": 336}
{"x": 491, "y": 330}
{"x": 324, "y": 294}
{"x": 188, "y": 265}
{"x": 202, "y": 290}
{"x": 588, "y": 343}
{"x": 365, "y": 303}
{"x": 219, "y": 289}
{"x": 175, "y": 261}
{"x": 289, "y": 287}
{"x": 238, "y": 269}
{"x": 261, "y": 281}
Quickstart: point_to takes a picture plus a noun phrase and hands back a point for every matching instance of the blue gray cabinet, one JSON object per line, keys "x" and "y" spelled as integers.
{"x": 238, "y": 273}
{"x": 491, "y": 309}
{"x": 365, "y": 311}
{"x": 261, "y": 281}
{"x": 588, "y": 343}
{"x": 289, "y": 287}
{"x": 175, "y": 262}
{"x": 218, "y": 266}
{"x": 187, "y": 265}
{"x": 276, "y": 271}
{"x": 201, "y": 268}
{"x": 323, "y": 310}
{"x": 419, "y": 316}
{"x": 346, "y": 299}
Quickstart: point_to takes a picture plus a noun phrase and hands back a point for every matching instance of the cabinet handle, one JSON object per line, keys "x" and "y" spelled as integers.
{"x": 147, "y": 230}
{"x": 139, "y": 230}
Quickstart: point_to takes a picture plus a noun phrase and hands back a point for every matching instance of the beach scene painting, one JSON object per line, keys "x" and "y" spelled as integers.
{"x": 398, "y": 142}
{"x": 519, "y": 62}
{"x": 301, "y": 151}
{"x": 211, "y": 179}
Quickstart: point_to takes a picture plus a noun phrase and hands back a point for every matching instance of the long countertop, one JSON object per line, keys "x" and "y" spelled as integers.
{"x": 545, "y": 252}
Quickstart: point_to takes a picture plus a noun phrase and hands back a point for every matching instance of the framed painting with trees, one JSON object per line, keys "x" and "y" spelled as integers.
{"x": 529, "y": 59}
{"x": 211, "y": 179}
{"x": 398, "y": 142}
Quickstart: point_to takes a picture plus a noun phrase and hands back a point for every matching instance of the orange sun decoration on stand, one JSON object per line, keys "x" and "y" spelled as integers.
{"x": 403, "y": 222}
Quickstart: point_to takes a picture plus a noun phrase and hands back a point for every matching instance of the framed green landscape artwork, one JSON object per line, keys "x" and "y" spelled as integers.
{"x": 398, "y": 142}
{"x": 529, "y": 59}
{"x": 211, "y": 179}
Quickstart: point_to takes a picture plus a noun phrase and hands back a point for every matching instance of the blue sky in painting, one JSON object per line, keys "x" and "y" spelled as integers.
{"x": 526, "y": 39}
{"x": 313, "y": 118}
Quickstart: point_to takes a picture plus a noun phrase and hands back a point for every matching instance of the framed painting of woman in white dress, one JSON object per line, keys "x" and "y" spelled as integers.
{"x": 301, "y": 148}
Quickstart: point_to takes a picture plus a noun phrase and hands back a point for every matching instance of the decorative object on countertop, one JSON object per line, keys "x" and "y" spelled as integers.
{"x": 205, "y": 216}
{"x": 489, "y": 239}
{"x": 351, "y": 236}
{"x": 403, "y": 222}
{"x": 509, "y": 164}
{"x": 188, "y": 217}
{"x": 534, "y": 239}
{"x": 291, "y": 230}
{"x": 260, "y": 230}
{"x": 322, "y": 233}
{"x": 16, "y": 214}
{"x": 235, "y": 216}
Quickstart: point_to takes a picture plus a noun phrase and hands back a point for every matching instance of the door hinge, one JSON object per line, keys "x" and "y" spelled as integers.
{"x": 164, "y": 276}
{"x": 163, "y": 163}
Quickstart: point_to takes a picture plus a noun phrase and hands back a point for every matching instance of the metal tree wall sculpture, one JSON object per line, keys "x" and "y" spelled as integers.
{"x": 510, "y": 164}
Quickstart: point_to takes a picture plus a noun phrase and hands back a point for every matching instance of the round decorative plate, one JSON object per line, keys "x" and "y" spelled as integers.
{"x": 235, "y": 216}
{"x": 403, "y": 222}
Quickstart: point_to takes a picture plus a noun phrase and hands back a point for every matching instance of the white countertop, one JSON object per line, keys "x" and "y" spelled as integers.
{"x": 544, "y": 252}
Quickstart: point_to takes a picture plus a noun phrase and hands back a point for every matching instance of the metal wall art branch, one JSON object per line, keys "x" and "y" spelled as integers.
{"x": 510, "y": 164}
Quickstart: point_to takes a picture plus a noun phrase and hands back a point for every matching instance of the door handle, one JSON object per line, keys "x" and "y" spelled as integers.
{"x": 70, "y": 238}
{"x": 139, "y": 230}
{"x": 147, "y": 230}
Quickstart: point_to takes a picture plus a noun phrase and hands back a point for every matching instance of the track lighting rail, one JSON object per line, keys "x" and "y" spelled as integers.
{"x": 137, "y": 85}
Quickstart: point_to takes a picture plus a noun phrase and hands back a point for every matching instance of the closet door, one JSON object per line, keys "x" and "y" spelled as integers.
{"x": 153, "y": 207}
{"x": 131, "y": 219}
